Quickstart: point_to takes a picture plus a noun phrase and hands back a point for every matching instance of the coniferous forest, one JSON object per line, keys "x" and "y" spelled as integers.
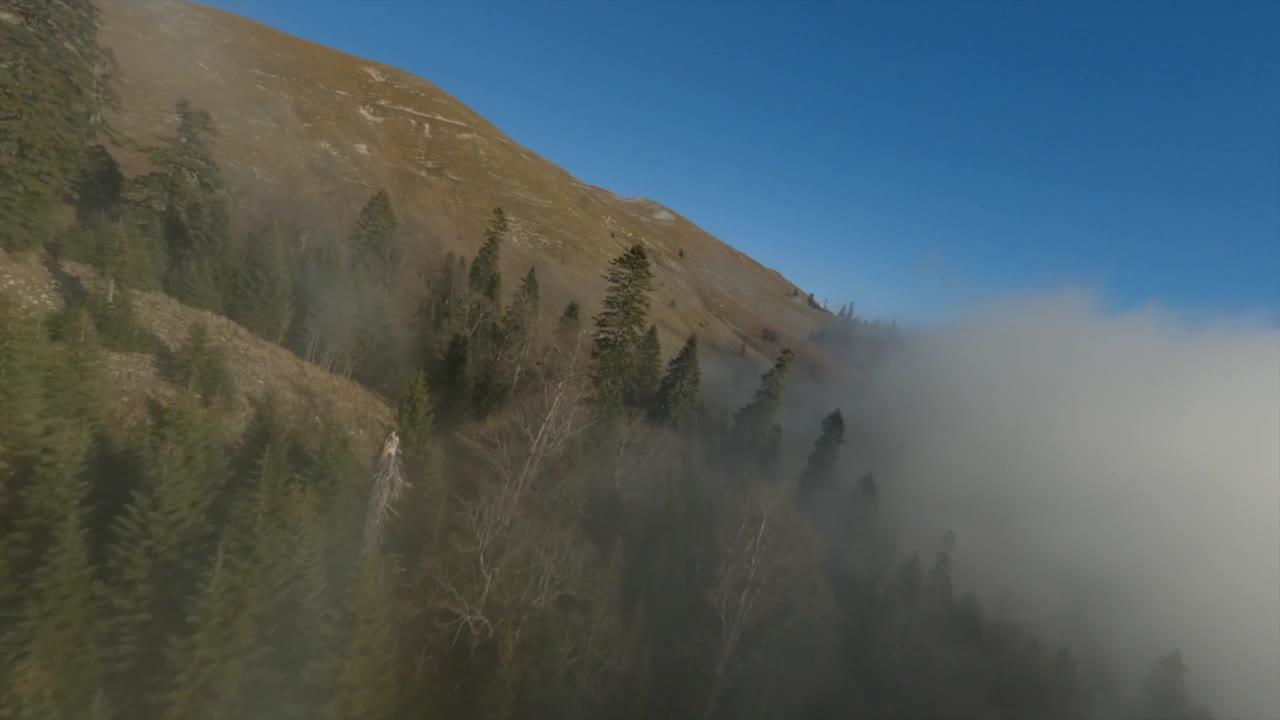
{"x": 561, "y": 524}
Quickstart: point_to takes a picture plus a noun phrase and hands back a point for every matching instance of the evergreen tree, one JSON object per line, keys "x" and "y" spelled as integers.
{"x": 940, "y": 573}
{"x": 364, "y": 684}
{"x": 1165, "y": 695}
{"x": 193, "y": 204}
{"x": 678, "y": 392}
{"x": 484, "y": 278}
{"x": 455, "y": 380}
{"x": 211, "y": 666}
{"x": 648, "y": 370}
{"x": 416, "y": 422}
{"x": 51, "y": 649}
{"x": 821, "y": 465}
{"x": 518, "y": 323}
{"x": 263, "y": 299}
{"x": 620, "y": 329}
{"x": 163, "y": 537}
{"x": 753, "y": 423}
{"x": 570, "y": 319}
{"x": 100, "y": 188}
{"x": 497, "y": 376}
{"x": 201, "y": 367}
{"x": 53, "y": 87}
{"x": 373, "y": 239}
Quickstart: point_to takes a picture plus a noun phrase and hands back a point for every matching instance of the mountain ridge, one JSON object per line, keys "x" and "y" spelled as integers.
{"x": 304, "y": 125}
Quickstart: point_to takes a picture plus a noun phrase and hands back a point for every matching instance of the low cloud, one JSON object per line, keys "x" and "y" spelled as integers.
{"x": 1114, "y": 479}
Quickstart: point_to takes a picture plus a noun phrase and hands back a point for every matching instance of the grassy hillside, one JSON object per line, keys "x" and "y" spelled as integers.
{"x": 312, "y": 130}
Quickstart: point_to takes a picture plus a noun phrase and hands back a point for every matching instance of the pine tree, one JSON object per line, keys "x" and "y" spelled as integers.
{"x": 678, "y": 392}
{"x": 263, "y": 299}
{"x": 753, "y": 423}
{"x": 570, "y": 319}
{"x": 373, "y": 239}
{"x": 821, "y": 465}
{"x": 51, "y": 650}
{"x": 100, "y": 188}
{"x": 416, "y": 422}
{"x": 364, "y": 684}
{"x": 620, "y": 329}
{"x": 201, "y": 367}
{"x": 193, "y": 203}
{"x": 648, "y": 370}
{"x": 518, "y": 323}
{"x": 940, "y": 573}
{"x": 228, "y": 664}
{"x": 484, "y": 278}
{"x": 497, "y": 375}
{"x": 455, "y": 380}
{"x": 211, "y": 666}
{"x": 163, "y": 537}
{"x": 53, "y": 89}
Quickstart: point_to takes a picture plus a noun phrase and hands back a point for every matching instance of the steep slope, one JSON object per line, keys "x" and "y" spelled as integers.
{"x": 308, "y": 395}
{"x": 306, "y": 132}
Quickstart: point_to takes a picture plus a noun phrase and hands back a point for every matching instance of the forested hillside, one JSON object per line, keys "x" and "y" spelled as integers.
{"x": 335, "y": 503}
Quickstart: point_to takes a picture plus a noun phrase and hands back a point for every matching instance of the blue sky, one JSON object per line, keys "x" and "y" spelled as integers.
{"x": 910, "y": 157}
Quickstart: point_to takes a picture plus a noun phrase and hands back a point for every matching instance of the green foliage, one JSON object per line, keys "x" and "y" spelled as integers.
{"x": 159, "y": 542}
{"x": 188, "y": 192}
{"x": 648, "y": 370}
{"x": 620, "y": 328}
{"x": 485, "y": 279}
{"x": 570, "y": 319}
{"x": 201, "y": 367}
{"x": 753, "y": 424}
{"x": 373, "y": 240}
{"x": 678, "y": 392}
{"x": 455, "y": 380}
{"x": 263, "y": 300}
{"x": 364, "y": 682}
{"x": 100, "y": 188}
{"x": 819, "y": 469}
{"x": 187, "y": 567}
{"x": 52, "y": 87}
{"x": 51, "y": 648}
{"x": 416, "y": 421}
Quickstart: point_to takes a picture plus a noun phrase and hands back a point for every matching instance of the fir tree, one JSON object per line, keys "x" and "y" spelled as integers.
{"x": 54, "y": 87}
{"x": 163, "y": 536}
{"x": 52, "y": 647}
{"x": 648, "y": 370}
{"x": 570, "y": 319}
{"x": 455, "y": 380}
{"x": 821, "y": 465}
{"x": 620, "y": 329}
{"x": 211, "y": 666}
{"x": 940, "y": 573}
{"x": 518, "y": 323}
{"x": 753, "y": 423}
{"x": 100, "y": 188}
{"x": 498, "y": 374}
{"x": 678, "y": 392}
{"x": 193, "y": 203}
{"x": 201, "y": 367}
{"x": 263, "y": 299}
{"x": 484, "y": 278}
{"x": 373, "y": 239}
{"x": 416, "y": 422}
{"x": 364, "y": 682}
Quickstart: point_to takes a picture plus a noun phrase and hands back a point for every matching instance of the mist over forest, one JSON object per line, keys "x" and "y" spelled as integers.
{"x": 253, "y": 467}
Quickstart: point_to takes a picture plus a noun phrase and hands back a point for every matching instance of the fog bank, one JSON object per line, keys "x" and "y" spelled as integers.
{"x": 1112, "y": 478}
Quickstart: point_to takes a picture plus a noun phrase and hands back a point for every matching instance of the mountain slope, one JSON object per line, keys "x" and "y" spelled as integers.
{"x": 305, "y": 126}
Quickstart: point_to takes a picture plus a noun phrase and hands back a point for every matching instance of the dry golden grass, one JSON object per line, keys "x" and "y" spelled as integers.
{"x": 306, "y": 133}
{"x": 308, "y": 395}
